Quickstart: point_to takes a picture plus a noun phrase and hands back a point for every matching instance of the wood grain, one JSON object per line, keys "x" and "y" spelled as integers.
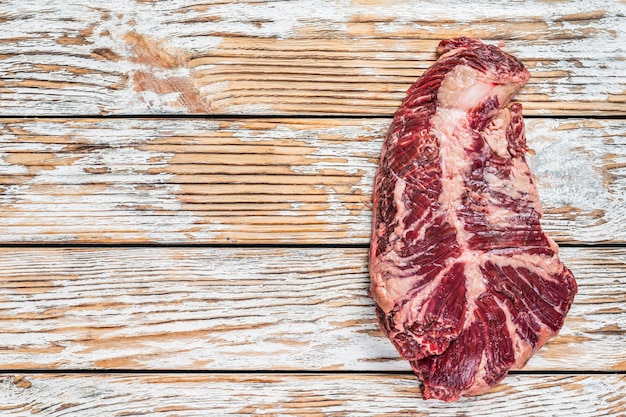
{"x": 249, "y": 309}
{"x": 301, "y": 395}
{"x": 292, "y": 57}
{"x": 262, "y": 180}
{"x": 282, "y": 329}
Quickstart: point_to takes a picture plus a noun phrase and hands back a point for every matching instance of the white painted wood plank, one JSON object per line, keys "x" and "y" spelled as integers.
{"x": 262, "y": 180}
{"x": 157, "y": 395}
{"x": 292, "y": 57}
{"x": 249, "y": 309}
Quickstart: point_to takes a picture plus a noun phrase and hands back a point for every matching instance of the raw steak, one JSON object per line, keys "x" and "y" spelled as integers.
{"x": 466, "y": 283}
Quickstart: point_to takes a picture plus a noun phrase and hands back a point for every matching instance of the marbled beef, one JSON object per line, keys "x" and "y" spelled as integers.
{"x": 466, "y": 283}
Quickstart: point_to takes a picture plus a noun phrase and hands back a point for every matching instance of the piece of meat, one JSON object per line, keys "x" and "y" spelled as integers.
{"x": 466, "y": 283}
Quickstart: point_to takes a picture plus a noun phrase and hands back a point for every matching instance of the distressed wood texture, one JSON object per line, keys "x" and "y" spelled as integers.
{"x": 293, "y": 57}
{"x": 262, "y": 180}
{"x": 302, "y": 395}
{"x": 184, "y": 202}
{"x": 249, "y": 309}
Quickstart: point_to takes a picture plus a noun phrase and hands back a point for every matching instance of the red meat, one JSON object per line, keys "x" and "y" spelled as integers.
{"x": 466, "y": 283}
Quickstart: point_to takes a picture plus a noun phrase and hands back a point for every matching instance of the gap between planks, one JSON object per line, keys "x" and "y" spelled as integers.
{"x": 120, "y": 371}
{"x": 234, "y": 245}
{"x": 270, "y": 117}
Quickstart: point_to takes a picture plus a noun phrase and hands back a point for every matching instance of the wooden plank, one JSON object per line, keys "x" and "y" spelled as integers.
{"x": 249, "y": 309}
{"x": 262, "y": 180}
{"x": 292, "y": 57}
{"x": 300, "y": 395}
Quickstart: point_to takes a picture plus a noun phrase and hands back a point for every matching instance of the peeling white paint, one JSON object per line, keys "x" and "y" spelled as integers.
{"x": 174, "y": 296}
{"x": 570, "y": 170}
{"x": 295, "y": 207}
{"x": 72, "y": 187}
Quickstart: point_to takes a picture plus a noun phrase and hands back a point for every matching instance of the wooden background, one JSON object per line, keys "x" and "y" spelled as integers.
{"x": 184, "y": 191}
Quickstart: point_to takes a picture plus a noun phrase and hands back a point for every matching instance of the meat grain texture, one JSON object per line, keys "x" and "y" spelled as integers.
{"x": 466, "y": 283}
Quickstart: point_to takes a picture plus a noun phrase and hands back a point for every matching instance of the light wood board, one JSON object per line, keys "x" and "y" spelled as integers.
{"x": 293, "y": 57}
{"x": 249, "y": 309}
{"x": 263, "y": 180}
{"x": 302, "y": 395}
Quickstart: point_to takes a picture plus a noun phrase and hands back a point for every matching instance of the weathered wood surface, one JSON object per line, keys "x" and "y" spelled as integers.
{"x": 302, "y": 395}
{"x": 262, "y": 180}
{"x": 249, "y": 309}
{"x": 292, "y": 57}
{"x": 249, "y": 174}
